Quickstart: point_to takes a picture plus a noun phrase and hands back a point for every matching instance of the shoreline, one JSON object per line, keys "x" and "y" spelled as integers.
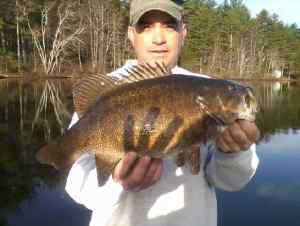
{"x": 22, "y": 76}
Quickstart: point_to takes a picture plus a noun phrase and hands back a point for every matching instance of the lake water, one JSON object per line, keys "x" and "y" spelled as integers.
{"x": 32, "y": 194}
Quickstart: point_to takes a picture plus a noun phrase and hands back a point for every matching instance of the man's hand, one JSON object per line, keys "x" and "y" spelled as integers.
{"x": 135, "y": 173}
{"x": 238, "y": 137}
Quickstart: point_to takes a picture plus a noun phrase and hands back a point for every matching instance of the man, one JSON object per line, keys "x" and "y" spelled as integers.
{"x": 144, "y": 191}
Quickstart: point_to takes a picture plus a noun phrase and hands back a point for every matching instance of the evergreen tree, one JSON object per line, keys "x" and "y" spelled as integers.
{"x": 222, "y": 39}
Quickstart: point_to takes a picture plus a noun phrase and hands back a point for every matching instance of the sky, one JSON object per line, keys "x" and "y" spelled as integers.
{"x": 287, "y": 10}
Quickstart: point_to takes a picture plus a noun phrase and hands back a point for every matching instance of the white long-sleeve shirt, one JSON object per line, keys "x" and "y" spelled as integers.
{"x": 177, "y": 199}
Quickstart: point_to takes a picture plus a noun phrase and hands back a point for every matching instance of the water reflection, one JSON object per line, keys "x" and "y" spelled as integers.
{"x": 31, "y": 113}
{"x": 48, "y": 207}
{"x": 50, "y": 95}
{"x": 273, "y": 197}
{"x": 280, "y": 108}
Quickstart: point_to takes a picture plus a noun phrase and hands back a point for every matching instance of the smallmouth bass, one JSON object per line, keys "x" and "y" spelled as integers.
{"x": 150, "y": 112}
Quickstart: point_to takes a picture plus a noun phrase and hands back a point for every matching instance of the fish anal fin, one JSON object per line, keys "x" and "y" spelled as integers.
{"x": 106, "y": 160}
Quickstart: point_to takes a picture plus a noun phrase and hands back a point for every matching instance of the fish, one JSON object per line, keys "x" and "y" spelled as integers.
{"x": 149, "y": 111}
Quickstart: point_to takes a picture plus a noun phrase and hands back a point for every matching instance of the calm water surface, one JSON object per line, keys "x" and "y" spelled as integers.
{"x": 32, "y": 194}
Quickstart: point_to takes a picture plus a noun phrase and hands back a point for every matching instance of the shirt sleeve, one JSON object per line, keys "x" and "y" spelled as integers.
{"x": 83, "y": 187}
{"x": 230, "y": 171}
{"x": 82, "y": 182}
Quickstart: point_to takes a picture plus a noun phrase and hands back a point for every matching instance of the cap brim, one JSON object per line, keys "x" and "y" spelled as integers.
{"x": 175, "y": 12}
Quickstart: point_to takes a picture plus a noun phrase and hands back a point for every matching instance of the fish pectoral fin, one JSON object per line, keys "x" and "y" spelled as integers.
{"x": 204, "y": 107}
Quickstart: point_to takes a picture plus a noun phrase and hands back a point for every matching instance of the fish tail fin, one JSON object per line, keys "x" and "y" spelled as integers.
{"x": 45, "y": 155}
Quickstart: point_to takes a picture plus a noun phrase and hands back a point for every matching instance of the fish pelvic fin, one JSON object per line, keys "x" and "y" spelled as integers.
{"x": 145, "y": 71}
{"x": 88, "y": 89}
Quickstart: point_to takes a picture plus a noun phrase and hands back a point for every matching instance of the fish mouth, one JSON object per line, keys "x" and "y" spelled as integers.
{"x": 230, "y": 119}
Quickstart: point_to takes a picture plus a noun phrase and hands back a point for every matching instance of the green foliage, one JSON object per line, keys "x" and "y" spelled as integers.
{"x": 226, "y": 40}
{"x": 296, "y": 66}
{"x": 201, "y": 23}
{"x": 8, "y": 61}
{"x": 1, "y": 23}
{"x": 222, "y": 39}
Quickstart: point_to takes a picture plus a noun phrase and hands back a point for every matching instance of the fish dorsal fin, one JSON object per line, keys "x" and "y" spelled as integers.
{"x": 87, "y": 90}
{"x": 145, "y": 71}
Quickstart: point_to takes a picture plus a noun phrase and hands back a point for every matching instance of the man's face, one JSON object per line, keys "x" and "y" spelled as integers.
{"x": 157, "y": 37}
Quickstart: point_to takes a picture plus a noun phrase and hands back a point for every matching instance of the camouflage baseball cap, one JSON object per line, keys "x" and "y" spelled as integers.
{"x": 139, "y": 7}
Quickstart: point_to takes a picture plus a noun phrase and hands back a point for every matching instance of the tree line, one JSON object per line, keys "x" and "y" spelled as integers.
{"x": 55, "y": 36}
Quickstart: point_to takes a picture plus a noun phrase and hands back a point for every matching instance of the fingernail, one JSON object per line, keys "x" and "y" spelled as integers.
{"x": 132, "y": 155}
{"x": 147, "y": 158}
{"x": 125, "y": 186}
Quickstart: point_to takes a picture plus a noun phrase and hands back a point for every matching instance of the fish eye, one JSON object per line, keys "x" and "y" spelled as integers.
{"x": 233, "y": 87}
{"x": 230, "y": 88}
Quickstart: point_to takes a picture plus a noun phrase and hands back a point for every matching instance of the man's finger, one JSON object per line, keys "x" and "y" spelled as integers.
{"x": 124, "y": 166}
{"x": 229, "y": 141}
{"x": 153, "y": 174}
{"x": 135, "y": 177}
{"x": 239, "y": 137}
{"x": 250, "y": 129}
{"x": 222, "y": 145}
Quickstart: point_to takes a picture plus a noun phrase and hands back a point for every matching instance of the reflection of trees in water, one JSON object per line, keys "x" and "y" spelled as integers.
{"x": 50, "y": 103}
{"x": 35, "y": 105}
{"x": 29, "y": 114}
{"x": 279, "y": 108}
